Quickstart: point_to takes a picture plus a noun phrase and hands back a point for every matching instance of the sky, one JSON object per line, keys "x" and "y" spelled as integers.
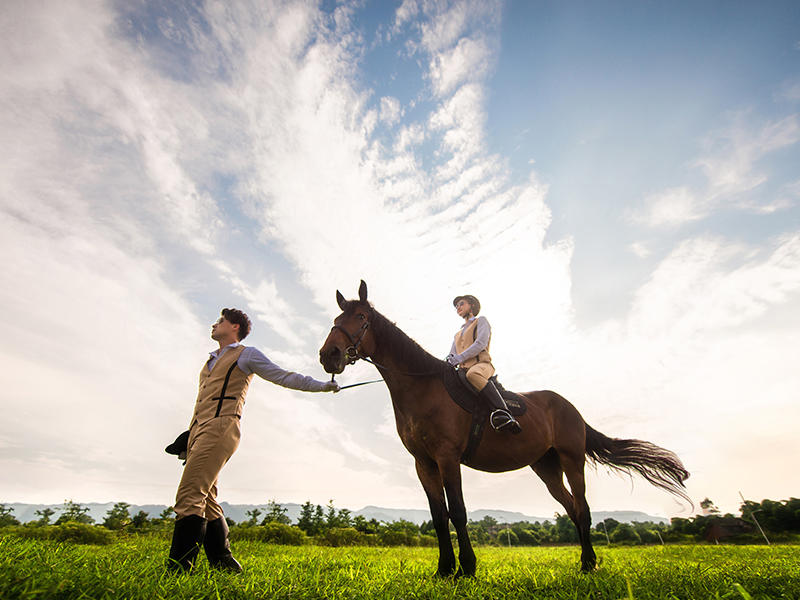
{"x": 616, "y": 182}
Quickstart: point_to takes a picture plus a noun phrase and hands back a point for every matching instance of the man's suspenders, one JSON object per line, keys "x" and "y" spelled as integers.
{"x": 222, "y": 395}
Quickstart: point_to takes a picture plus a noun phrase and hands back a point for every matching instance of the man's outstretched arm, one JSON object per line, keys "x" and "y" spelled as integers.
{"x": 252, "y": 360}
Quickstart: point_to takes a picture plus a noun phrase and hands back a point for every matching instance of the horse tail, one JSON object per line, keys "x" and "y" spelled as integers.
{"x": 659, "y": 466}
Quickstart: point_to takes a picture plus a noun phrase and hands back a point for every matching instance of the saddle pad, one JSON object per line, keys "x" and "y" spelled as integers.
{"x": 463, "y": 394}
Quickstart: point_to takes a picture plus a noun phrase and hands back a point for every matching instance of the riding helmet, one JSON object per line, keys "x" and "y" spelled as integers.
{"x": 473, "y": 301}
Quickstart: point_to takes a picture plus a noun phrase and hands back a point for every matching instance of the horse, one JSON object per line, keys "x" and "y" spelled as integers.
{"x": 555, "y": 440}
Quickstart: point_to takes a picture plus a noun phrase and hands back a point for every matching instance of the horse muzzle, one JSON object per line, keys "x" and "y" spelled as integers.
{"x": 333, "y": 360}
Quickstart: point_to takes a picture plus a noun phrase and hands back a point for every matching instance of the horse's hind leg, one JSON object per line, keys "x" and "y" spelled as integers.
{"x": 573, "y": 469}
{"x": 551, "y": 471}
{"x": 431, "y": 480}
{"x": 548, "y": 468}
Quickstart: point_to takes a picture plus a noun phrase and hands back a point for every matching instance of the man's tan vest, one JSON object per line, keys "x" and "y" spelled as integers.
{"x": 465, "y": 338}
{"x": 222, "y": 390}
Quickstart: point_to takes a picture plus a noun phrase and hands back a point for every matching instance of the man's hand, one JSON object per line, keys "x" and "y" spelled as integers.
{"x": 453, "y": 359}
{"x": 331, "y": 386}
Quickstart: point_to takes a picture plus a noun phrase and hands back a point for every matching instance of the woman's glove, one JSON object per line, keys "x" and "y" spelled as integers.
{"x": 454, "y": 359}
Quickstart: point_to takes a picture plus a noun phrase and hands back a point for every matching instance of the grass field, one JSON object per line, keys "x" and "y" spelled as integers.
{"x": 133, "y": 568}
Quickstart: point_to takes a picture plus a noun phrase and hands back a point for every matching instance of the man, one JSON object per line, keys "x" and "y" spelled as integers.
{"x": 214, "y": 436}
{"x": 470, "y": 350}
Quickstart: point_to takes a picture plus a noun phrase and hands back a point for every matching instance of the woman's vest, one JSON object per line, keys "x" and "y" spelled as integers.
{"x": 465, "y": 338}
{"x": 222, "y": 389}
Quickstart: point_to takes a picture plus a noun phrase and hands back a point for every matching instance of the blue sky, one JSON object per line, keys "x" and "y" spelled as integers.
{"x": 616, "y": 182}
{"x": 613, "y": 99}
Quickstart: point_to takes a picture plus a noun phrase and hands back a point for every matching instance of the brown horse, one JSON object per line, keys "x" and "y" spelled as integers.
{"x": 554, "y": 442}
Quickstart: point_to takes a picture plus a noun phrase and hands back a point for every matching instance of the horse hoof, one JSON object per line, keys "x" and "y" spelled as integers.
{"x": 460, "y": 574}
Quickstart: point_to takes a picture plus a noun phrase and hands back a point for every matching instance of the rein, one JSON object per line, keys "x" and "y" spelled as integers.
{"x": 344, "y": 387}
{"x": 380, "y": 366}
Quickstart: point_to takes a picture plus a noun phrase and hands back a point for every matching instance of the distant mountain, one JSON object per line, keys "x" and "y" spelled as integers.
{"x": 627, "y": 516}
{"x": 238, "y": 512}
{"x": 505, "y": 516}
{"x": 415, "y": 515}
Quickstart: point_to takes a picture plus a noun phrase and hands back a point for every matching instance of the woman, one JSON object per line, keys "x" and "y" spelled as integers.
{"x": 470, "y": 351}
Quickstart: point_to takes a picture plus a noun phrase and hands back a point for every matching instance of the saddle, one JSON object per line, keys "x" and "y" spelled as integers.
{"x": 467, "y": 397}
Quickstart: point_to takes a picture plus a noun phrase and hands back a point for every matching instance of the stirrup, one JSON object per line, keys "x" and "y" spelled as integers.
{"x": 502, "y": 420}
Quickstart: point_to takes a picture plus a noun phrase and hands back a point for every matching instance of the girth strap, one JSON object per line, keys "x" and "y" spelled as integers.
{"x": 475, "y": 432}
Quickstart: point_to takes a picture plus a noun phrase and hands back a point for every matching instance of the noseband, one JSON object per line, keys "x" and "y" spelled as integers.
{"x": 351, "y": 354}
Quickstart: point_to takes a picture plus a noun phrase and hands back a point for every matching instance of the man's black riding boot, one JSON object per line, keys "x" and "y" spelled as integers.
{"x": 500, "y": 418}
{"x": 186, "y": 539}
{"x": 218, "y": 548}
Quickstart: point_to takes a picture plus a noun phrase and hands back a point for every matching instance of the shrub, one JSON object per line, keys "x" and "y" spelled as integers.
{"x": 507, "y": 537}
{"x": 649, "y": 536}
{"x": 7, "y": 518}
{"x": 273, "y": 532}
{"x": 598, "y": 537}
{"x": 528, "y": 537}
{"x": 624, "y": 533}
{"x": 398, "y": 538}
{"x": 70, "y": 531}
{"x": 343, "y": 536}
{"x": 428, "y": 541}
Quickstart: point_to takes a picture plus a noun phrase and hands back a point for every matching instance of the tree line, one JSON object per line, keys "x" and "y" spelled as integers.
{"x": 331, "y": 526}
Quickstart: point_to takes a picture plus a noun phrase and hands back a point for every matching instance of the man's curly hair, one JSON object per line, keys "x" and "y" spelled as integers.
{"x": 237, "y": 317}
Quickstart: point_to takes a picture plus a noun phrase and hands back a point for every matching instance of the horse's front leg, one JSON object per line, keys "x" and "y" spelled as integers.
{"x": 451, "y": 475}
{"x": 431, "y": 479}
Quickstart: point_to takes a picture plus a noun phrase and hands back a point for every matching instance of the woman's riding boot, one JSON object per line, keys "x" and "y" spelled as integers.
{"x": 186, "y": 539}
{"x": 500, "y": 418}
{"x": 218, "y": 548}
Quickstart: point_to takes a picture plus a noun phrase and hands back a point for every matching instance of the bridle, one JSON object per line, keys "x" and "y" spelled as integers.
{"x": 351, "y": 353}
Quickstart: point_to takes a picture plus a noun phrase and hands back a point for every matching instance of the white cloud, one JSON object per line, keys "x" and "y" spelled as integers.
{"x": 671, "y": 207}
{"x": 266, "y": 304}
{"x": 448, "y": 22}
{"x": 409, "y": 136}
{"x": 91, "y": 334}
{"x": 405, "y": 12}
{"x": 789, "y": 91}
{"x": 705, "y": 284}
{"x": 468, "y": 60}
{"x": 461, "y": 119}
{"x": 391, "y": 110}
{"x": 639, "y": 249}
{"x": 701, "y": 364}
{"x": 730, "y": 163}
{"x": 788, "y": 196}
{"x": 98, "y": 98}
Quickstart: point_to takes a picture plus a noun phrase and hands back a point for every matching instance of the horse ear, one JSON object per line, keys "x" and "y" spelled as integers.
{"x": 340, "y": 300}
{"x": 362, "y": 291}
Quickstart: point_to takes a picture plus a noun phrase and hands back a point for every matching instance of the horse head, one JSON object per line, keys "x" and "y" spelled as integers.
{"x": 350, "y": 337}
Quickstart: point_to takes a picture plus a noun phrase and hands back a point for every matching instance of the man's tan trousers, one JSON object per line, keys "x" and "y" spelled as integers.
{"x": 210, "y": 446}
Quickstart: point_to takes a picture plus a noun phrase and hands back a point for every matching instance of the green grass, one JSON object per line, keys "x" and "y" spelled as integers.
{"x": 133, "y": 568}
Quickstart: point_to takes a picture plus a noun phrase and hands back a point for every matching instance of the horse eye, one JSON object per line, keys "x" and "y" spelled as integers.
{"x": 362, "y": 317}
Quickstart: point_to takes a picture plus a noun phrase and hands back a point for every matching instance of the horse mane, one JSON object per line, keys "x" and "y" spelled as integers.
{"x": 395, "y": 340}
